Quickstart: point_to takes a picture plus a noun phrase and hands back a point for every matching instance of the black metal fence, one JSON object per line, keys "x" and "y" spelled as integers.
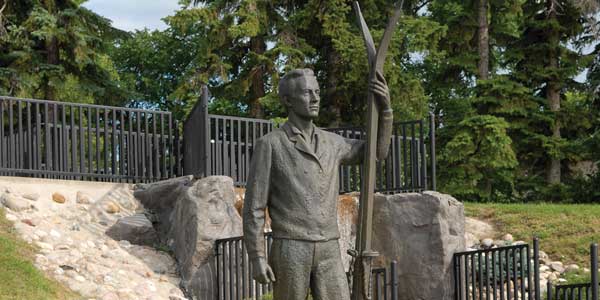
{"x": 498, "y": 273}
{"x": 582, "y": 291}
{"x": 87, "y": 142}
{"x": 223, "y": 145}
{"x": 234, "y": 274}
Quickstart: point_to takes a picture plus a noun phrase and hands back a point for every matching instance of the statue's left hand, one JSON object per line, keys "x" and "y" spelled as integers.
{"x": 378, "y": 86}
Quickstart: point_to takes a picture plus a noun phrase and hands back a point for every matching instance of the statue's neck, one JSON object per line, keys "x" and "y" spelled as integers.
{"x": 303, "y": 124}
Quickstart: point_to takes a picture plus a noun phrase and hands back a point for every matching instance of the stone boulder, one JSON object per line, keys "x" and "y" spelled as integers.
{"x": 136, "y": 229}
{"x": 160, "y": 197}
{"x": 192, "y": 214}
{"x": 14, "y": 203}
{"x": 421, "y": 231}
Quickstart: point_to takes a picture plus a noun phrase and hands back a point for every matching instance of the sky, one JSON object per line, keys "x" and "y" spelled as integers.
{"x": 130, "y": 15}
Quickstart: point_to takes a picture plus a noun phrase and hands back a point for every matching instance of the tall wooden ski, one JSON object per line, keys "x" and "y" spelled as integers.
{"x": 361, "y": 281}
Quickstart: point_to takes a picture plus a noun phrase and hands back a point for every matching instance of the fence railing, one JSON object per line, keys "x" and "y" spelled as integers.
{"x": 498, "y": 273}
{"x": 223, "y": 145}
{"x": 582, "y": 291}
{"x": 87, "y": 142}
{"x": 234, "y": 274}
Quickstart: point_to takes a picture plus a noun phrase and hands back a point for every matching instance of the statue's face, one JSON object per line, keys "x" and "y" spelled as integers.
{"x": 304, "y": 100}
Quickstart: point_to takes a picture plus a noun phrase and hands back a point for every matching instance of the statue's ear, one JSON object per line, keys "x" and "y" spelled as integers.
{"x": 285, "y": 101}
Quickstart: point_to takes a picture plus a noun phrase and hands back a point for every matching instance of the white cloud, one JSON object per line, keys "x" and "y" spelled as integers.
{"x": 134, "y": 14}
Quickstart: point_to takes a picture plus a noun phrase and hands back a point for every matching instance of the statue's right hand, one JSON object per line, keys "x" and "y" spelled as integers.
{"x": 261, "y": 271}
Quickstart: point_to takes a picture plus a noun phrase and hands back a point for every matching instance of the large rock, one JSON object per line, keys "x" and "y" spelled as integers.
{"x": 192, "y": 214}
{"x": 14, "y": 203}
{"x": 421, "y": 231}
{"x": 136, "y": 229}
{"x": 160, "y": 197}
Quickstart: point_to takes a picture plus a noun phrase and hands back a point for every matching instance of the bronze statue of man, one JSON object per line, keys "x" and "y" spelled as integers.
{"x": 295, "y": 174}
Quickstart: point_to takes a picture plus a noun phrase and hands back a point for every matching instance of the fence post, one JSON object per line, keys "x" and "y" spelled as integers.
{"x": 432, "y": 150}
{"x": 205, "y": 132}
{"x": 177, "y": 151}
{"x": 549, "y": 290}
{"x": 594, "y": 270}
{"x": 394, "y": 280}
{"x": 536, "y": 267}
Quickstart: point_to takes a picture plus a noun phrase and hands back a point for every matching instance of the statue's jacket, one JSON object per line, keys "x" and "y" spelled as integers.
{"x": 298, "y": 183}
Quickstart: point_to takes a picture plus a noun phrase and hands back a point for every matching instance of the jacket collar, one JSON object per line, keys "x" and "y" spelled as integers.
{"x": 295, "y": 135}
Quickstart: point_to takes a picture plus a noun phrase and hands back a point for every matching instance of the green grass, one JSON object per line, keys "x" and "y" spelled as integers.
{"x": 565, "y": 230}
{"x": 19, "y": 279}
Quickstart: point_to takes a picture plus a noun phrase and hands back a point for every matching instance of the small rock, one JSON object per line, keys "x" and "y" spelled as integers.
{"x": 543, "y": 255}
{"x": 508, "y": 237}
{"x": 59, "y": 271}
{"x": 544, "y": 268}
{"x": 562, "y": 280}
{"x": 79, "y": 278}
{"x": 31, "y": 196}
{"x": 136, "y": 229}
{"x": 28, "y": 222}
{"x": 111, "y": 207}
{"x": 91, "y": 244}
{"x": 44, "y": 246}
{"x": 75, "y": 227}
{"x": 82, "y": 198}
{"x": 519, "y": 243}
{"x": 557, "y": 266}
{"x": 55, "y": 234}
{"x": 572, "y": 268}
{"x": 487, "y": 243}
{"x": 41, "y": 259}
{"x": 62, "y": 247}
{"x": 125, "y": 244}
{"x": 110, "y": 296}
{"x": 552, "y": 277}
{"x": 13, "y": 203}
{"x": 58, "y": 198}
{"x": 11, "y": 217}
{"x": 586, "y": 270}
{"x": 66, "y": 267}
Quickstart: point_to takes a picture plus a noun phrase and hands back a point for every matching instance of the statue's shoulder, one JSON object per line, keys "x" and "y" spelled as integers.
{"x": 272, "y": 137}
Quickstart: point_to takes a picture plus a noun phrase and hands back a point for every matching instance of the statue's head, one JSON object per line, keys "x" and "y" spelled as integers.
{"x": 299, "y": 93}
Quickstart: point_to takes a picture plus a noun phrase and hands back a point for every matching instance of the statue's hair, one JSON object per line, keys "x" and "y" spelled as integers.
{"x": 286, "y": 83}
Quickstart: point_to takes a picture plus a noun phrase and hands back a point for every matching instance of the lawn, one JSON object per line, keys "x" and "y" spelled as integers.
{"x": 565, "y": 230}
{"x": 19, "y": 279}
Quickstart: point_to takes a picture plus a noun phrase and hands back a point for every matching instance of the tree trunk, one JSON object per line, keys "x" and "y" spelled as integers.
{"x": 52, "y": 55}
{"x": 257, "y": 84}
{"x": 484, "y": 40}
{"x": 332, "y": 93}
{"x": 553, "y": 174}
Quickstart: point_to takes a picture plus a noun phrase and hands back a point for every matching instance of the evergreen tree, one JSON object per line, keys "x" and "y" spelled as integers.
{"x": 56, "y": 50}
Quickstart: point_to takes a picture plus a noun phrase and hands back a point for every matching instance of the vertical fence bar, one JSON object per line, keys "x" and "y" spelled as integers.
{"x": 113, "y": 160}
{"x": 39, "y": 145}
{"x": 394, "y": 280}
{"x": 143, "y": 144}
{"x": 11, "y": 143}
{"x": 162, "y": 146}
{"x": 549, "y": 295}
{"x": 73, "y": 140}
{"x": 105, "y": 146}
{"x": 64, "y": 140}
{"x": 81, "y": 142}
{"x": 29, "y": 140}
{"x": 20, "y": 140}
{"x": 423, "y": 177}
{"x": 151, "y": 146}
{"x": 146, "y": 153}
{"x": 3, "y": 144}
{"x": 156, "y": 148}
{"x": 170, "y": 137}
{"x": 90, "y": 158}
{"x": 432, "y": 128}
{"x": 594, "y": 270}
{"x": 178, "y": 150}
{"x": 536, "y": 268}
{"x": 122, "y": 147}
{"x": 137, "y": 151}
